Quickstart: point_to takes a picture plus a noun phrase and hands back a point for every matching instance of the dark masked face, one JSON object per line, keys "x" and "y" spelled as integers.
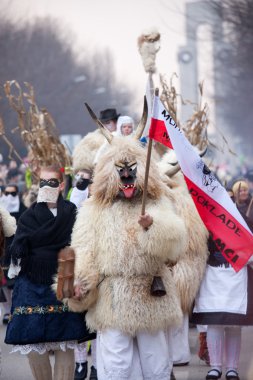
{"x": 127, "y": 172}
{"x": 51, "y": 182}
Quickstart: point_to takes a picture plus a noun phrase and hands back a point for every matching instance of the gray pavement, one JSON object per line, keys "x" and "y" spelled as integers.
{"x": 15, "y": 366}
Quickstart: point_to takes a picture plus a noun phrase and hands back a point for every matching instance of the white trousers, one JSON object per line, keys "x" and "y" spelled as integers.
{"x": 122, "y": 357}
{"x": 180, "y": 342}
{"x": 224, "y": 339}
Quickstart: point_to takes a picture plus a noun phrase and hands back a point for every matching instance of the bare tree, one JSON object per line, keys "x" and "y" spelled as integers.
{"x": 236, "y": 66}
{"x": 42, "y": 55}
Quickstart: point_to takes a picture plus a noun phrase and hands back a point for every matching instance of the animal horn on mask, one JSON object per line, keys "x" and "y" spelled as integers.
{"x": 174, "y": 170}
{"x": 142, "y": 123}
{"x": 103, "y": 129}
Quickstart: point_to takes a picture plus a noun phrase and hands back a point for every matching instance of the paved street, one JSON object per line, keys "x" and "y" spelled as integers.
{"x": 15, "y": 366}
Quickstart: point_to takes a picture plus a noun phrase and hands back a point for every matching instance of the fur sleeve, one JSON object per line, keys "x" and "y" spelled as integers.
{"x": 189, "y": 270}
{"x": 167, "y": 237}
{"x": 9, "y": 223}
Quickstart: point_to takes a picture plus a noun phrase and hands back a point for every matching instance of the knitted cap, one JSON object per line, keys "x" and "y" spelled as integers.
{"x": 123, "y": 120}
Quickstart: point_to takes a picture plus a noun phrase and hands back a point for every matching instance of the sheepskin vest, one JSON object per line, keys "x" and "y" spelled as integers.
{"x": 108, "y": 241}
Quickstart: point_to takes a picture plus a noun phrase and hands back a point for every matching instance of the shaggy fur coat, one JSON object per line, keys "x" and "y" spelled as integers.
{"x": 189, "y": 269}
{"x": 85, "y": 151}
{"x": 8, "y": 222}
{"x": 116, "y": 258}
{"x": 7, "y": 229}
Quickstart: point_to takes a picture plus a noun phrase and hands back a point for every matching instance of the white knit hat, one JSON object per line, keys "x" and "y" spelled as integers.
{"x": 123, "y": 120}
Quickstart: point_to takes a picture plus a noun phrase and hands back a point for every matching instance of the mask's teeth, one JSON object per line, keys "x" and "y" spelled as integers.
{"x": 127, "y": 186}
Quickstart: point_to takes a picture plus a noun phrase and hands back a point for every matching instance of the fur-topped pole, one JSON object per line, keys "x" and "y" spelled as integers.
{"x": 149, "y": 45}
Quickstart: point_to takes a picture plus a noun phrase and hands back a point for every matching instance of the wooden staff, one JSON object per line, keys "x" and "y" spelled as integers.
{"x": 157, "y": 287}
{"x": 144, "y": 197}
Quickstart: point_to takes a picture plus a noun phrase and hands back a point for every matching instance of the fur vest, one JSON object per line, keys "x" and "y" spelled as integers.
{"x": 116, "y": 260}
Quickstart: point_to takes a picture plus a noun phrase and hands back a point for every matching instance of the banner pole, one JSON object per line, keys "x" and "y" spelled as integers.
{"x": 157, "y": 288}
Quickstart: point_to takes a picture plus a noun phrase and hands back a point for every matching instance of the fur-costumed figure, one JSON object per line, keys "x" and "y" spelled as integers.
{"x": 114, "y": 208}
{"x": 7, "y": 226}
{"x": 189, "y": 269}
{"x": 117, "y": 256}
{"x": 85, "y": 151}
{"x": 7, "y": 229}
{"x": 8, "y": 222}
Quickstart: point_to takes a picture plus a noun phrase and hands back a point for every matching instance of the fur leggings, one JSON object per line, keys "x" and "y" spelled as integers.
{"x": 64, "y": 365}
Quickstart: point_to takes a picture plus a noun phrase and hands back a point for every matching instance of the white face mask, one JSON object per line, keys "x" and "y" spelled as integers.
{"x": 11, "y": 203}
{"x": 48, "y": 194}
{"x": 111, "y": 126}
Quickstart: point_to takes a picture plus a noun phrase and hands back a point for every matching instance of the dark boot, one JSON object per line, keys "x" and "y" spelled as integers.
{"x": 203, "y": 353}
{"x": 81, "y": 371}
{"x": 93, "y": 373}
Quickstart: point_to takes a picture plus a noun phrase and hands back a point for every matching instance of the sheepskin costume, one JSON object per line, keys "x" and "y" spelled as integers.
{"x": 85, "y": 151}
{"x": 8, "y": 222}
{"x": 7, "y": 229}
{"x": 189, "y": 269}
{"x": 116, "y": 258}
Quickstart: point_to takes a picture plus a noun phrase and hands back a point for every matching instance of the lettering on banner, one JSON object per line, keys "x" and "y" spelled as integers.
{"x": 230, "y": 224}
{"x": 221, "y": 247}
{"x": 166, "y": 136}
{"x": 224, "y": 219}
{"x": 171, "y": 121}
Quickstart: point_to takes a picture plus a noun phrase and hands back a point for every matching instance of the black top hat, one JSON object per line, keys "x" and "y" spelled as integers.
{"x": 108, "y": 114}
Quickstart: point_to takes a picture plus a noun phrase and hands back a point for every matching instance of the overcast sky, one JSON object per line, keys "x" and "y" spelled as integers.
{"x": 116, "y": 25}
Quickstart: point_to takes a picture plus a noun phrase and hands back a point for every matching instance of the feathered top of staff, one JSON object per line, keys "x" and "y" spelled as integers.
{"x": 37, "y": 128}
{"x": 149, "y": 45}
